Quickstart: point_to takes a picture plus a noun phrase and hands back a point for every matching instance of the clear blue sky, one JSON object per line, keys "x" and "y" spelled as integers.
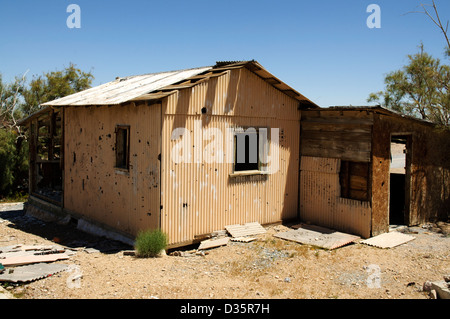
{"x": 323, "y": 49}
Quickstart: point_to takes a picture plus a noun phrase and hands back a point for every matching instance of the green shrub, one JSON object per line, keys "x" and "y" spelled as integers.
{"x": 150, "y": 243}
{"x": 13, "y": 164}
{"x": 7, "y": 161}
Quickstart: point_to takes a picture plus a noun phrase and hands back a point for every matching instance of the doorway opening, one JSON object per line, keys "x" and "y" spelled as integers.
{"x": 400, "y": 173}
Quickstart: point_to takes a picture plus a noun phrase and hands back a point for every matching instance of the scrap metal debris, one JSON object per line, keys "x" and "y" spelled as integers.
{"x": 31, "y": 272}
{"x": 18, "y": 255}
{"x": 317, "y": 236}
{"x": 22, "y": 263}
{"x": 248, "y": 229}
{"x": 388, "y": 240}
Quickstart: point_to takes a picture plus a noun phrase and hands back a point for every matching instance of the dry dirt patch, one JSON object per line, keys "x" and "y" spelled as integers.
{"x": 266, "y": 268}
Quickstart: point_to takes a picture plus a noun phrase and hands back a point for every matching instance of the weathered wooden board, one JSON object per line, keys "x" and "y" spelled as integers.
{"x": 341, "y": 152}
{"x": 317, "y": 236}
{"x": 247, "y": 229}
{"x": 388, "y": 240}
{"x": 344, "y": 128}
{"x": 211, "y": 243}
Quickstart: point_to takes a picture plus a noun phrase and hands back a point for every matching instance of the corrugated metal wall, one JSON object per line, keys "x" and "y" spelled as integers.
{"x": 199, "y": 198}
{"x": 125, "y": 201}
{"x": 320, "y": 201}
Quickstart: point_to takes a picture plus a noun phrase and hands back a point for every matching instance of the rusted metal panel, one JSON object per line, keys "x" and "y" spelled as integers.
{"x": 427, "y": 187}
{"x": 320, "y": 200}
{"x": 201, "y": 197}
{"x": 124, "y": 200}
{"x": 380, "y": 177}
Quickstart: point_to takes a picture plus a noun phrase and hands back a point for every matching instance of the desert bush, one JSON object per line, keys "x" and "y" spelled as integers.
{"x": 150, "y": 243}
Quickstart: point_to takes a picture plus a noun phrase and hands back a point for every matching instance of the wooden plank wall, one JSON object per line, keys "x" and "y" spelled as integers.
{"x": 321, "y": 202}
{"x": 343, "y": 135}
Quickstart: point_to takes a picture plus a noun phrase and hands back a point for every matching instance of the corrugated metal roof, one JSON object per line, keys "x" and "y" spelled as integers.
{"x": 148, "y": 86}
{"x": 127, "y": 88}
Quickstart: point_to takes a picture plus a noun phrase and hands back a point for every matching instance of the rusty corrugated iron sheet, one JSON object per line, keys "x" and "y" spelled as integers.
{"x": 320, "y": 200}
{"x": 126, "y": 201}
{"x": 199, "y": 198}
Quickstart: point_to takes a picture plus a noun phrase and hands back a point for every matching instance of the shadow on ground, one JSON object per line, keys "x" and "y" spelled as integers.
{"x": 66, "y": 235}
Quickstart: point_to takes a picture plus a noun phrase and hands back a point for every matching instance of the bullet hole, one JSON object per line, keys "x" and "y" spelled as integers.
{"x": 203, "y": 110}
{"x": 109, "y": 135}
{"x": 159, "y": 156}
{"x": 74, "y": 157}
{"x": 149, "y": 214}
{"x": 99, "y": 138}
{"x": 185, "y": 205}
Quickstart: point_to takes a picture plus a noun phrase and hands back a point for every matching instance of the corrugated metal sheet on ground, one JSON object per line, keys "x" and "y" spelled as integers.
{"x": 127, "y": 88}
{"x": 318, "y": 236}
{"x": 31, "y": 272}
{"x": 245, "y": 230}
{"x": 388, "y": 240}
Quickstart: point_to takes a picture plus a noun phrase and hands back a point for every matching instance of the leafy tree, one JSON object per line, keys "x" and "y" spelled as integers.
{"x": 18, "y": 100}
{"x": 10, "y": 102}
{"x": 7, "y": 159}
{"x": 420, "y": 89}
{"x": 54, "y": 85}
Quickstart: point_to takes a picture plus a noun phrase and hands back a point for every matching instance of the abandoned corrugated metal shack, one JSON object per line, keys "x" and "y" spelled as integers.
{"x": 160, "y": 151}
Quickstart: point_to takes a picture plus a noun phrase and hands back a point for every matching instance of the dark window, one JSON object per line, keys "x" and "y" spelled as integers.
{"x": 354, "y": 180}
{"x": 246, "y": 155}
{"x": 122, "y": 147}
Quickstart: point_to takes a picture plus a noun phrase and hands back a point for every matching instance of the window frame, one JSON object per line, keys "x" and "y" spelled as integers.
{"x": 346, "y": 182}
{"x": 119, "y": 165}
{"x": 258, "y": 166}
